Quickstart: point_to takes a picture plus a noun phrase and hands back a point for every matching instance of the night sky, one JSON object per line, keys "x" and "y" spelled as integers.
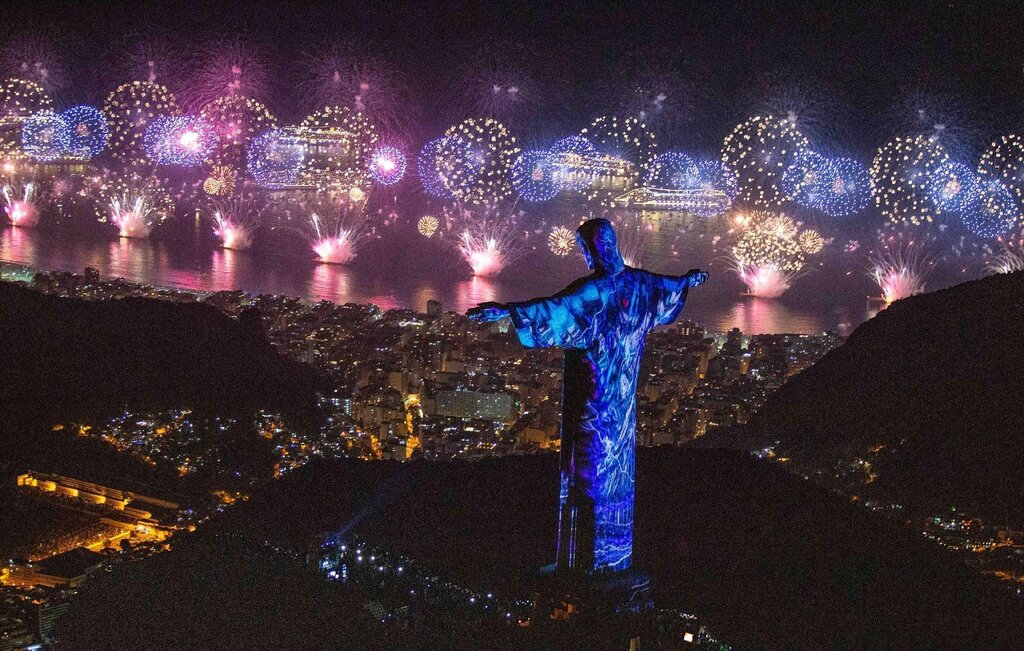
{"x": 857, "y": 74}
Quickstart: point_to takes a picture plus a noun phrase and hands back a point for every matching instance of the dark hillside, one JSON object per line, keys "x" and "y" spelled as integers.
{"x": 940, "y": 378}
{"x": 770, "y": 560}
{"x": 62, "y": 357}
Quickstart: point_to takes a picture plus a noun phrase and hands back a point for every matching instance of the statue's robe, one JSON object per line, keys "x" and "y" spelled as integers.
{"x": 601, "y": 320}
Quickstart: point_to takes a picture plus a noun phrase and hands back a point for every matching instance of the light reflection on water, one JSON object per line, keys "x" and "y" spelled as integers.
{"x": 410, "y": 281}
{"x": 477, "y": 290}
{"x": 752, "y": 314}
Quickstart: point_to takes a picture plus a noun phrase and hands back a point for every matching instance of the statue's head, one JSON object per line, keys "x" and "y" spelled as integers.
{"x": 600, "y": 247}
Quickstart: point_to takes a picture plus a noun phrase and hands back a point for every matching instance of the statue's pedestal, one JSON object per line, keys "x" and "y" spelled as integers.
{"x": 612, "y": 610}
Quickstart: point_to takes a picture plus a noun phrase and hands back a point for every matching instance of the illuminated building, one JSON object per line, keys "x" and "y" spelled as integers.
{"x": 331, "y": 159}
{"x": 46, "y": 615}
{"x": 138, "y": 510}
{"x": 68, "y": 569}
{"x": 698, "y": 201}
{"x": 338, "y": 144}
{"x": 594, "y": 174}
{"x": 19, "y": 99}
{"x": 474, "y": 404}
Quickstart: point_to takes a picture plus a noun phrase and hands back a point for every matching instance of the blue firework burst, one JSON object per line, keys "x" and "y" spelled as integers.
{"x": 672, "y": 170}
{"x": 427, "y": 169}
{"x": 181, "y": 140}
{"x": 996, "y": 212}
{"x": 44, "y": 136}
{"x": 954, "y": 186}
{"x": 846, "y": 188}
{"x": 87, "y": 131}
{"x": 387, "y": 165}
{"x": 534, "y": 176}
{"x": 275, "y": 158}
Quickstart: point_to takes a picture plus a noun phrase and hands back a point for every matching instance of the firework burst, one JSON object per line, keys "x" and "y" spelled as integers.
{"x": 810, "y": 242}
{"x": 474, "y": 159}
{"x": 534, "y": 175}
{"x": 485, "y": 249}
{"x": 182, "y": 140}
{"x": 1003, "y": 161}
{"x": 899, "y": 268}
{"x": 135, "y": 204}
{"x": 235, "y": 220}
{"x": 995, "y": 213}
{"x": 387, "y": 165}
{"x": 768, "y": 256}
{"x": 428, "y": 225}
{"x": 712, "y": 174}
{"x": 488, "y": 238}
{"x": 954, "y": 187}
{"x": 346, "y": 76}
{"x": 847, "y": 188}
{"x": 236, "y": 120}
{"x": 129, "y": 110}
{"x": 228, "y": 69}
{"x": 275, "y": 158}
{"x": 775, "y": 223}
{"x": 31, "y": 57}
{"x": 766, "y": 281}
{"x": 336, "y": 230}
{"x": 805, "y": 180}
{"x": 1009, "y": 260}
{"x": 88, "y": 131}
{"x": 428, "y": 172}
{"x": 899, "y": 264}
{"x": 902, "y": 171}
{"x": 45, "y": 136}
{"x": 561, "y": 241}
{"x": 758, "y": 152}
{"x": 21, "y": 202}
{"x": 221, "y": 181}
{"x": 896, "y": 280}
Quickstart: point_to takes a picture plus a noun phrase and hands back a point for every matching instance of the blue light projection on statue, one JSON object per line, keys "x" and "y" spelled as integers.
{"x": 601, "y": 320}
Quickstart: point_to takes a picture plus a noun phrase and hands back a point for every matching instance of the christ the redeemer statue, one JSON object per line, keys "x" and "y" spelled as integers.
{"x": 601, "y": 320}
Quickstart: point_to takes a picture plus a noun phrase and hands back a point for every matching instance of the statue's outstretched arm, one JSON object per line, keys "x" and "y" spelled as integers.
{"x": 696, "y": 277}
{"x": 569, "y": 319}
{"x": 669, "y": 293}
{"x": 490, "y": 312}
